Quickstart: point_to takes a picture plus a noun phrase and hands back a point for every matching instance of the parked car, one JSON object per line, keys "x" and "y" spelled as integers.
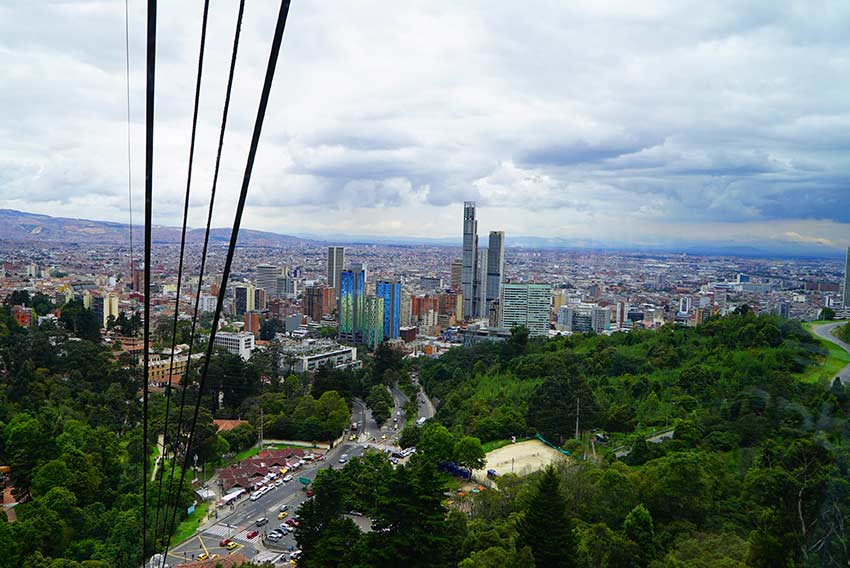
{"x": 310, "y": 493}
{"x": 284, "y": 508}
{"x": 292, "y": 522}
{"x": 287, "y": 479}
{"x": 261, "y": 522}
{"x": 282, "y": 515}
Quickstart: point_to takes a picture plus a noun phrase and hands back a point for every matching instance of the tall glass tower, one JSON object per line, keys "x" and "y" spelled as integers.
{"x": 390, "y": 293}
{"x": 495, "y": 266}
{"x": 469, "y": 272}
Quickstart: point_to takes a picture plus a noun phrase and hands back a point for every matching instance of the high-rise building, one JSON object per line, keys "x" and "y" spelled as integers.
{"x": 583, "y": 318}
{"x": 847, "y": 281}
{"x": 336, "y": 260}
{"x": 252, "y": 322}
{"x": 528, "y": 305}
{"x": 684, "y": 304}
{"x": 373, "y": 328}
{"x": 239, "y": 343}
{"x": 314, "y": 302}
{"x": 481, "y": 303}
{"x": 495, "y": 269}
{"x": 267, "y": 278}
{"x": 243, "y": 299}
{"x": 352, "y": 298}
{"x": 456, "y": 275}
{"x": 622, "y": 314}
{"x": 469, "y": 274}
{"x": 260, "y": 299}
{"x": 286, "y": 286}
{"x": 390, "y": 293}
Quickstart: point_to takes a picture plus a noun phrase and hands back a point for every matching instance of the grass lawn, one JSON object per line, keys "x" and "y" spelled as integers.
{"x": 825, "y": 369}
{"x": 255, "y": 450}
{"x": 190, "y": 524}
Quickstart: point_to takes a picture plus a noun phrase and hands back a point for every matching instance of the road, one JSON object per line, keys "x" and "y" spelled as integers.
{"x": 237, "y": 522}
{"x": 825, "y": 332}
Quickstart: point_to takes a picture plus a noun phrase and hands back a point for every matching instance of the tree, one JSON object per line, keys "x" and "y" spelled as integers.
{"x": 552, "y": 409}
{"x": 410, "y": 436}
{"x": 827, "y": 314}
{"x": 468, "y": 453}
{"x": 639, "y": 529}
{"x": 545, "y": 526}
{"x": 437, "y": 443}
{"x": 380, "y": 403}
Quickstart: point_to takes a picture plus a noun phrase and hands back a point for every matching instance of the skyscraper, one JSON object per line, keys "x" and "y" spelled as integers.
{"x": 457, "y": 272}
{"x": 482, "y": 304}
{"x": 352, "y": 297}
{"x": 390, "y": 293}
{"x": 336, "y": 260}
{"x": 528, "y": 305}
{"x": 244, "y": 299}
{"x": 469, "y": 274}
{"x": 847, "y": 281}
{"x": 374, "y": 316}
{"x": 495, "y": 265}
{"x": 267, "y": 278}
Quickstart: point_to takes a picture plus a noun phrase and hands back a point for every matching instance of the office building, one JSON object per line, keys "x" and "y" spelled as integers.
{"x": 313, "y": 354}
{"x": 352, "y": 298}
{"x": 260, "y": 300}
{"x": 456, "y": 275}
{"x": 336, "y": 260}
{"x": 252, "y": 322}
{"x": 243, "y": 299}
{"x": 430, "y": 282}
{"x": 622, "y": 314}
{"x": 469, "y": 273}
{"x": 286, "y": 287}
{"x": 316, "y": 304}
{"x": 241, "y": 343}
{"x": 847, "y": 280}
{"x": 495, "y": 267}
{"x": 267, "y": 278}
{"x": 207, "y": 303}
{"x": 481, "y": 302}
{"x": 584, "y": 318}
{"x": 373, "y": 329}
{"x": 684, "y": 304}
{"x": 390, "y": 293}
{"x": 528, "y": 305}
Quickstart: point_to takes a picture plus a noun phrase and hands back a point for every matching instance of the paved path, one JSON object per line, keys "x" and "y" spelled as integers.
{"x": 825, "y": 332}
{"x": 160, "y": 444}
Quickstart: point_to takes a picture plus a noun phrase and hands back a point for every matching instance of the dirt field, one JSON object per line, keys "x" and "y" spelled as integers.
{"x": 520, "y": 458}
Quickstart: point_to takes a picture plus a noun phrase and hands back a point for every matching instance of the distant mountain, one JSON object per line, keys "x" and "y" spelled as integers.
{"x": 20, "y": 226}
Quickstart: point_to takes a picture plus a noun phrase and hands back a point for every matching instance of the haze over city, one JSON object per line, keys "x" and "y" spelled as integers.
{"x": 597, "y": 124}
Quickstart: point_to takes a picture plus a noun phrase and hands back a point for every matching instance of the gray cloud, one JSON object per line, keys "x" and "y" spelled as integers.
{"x": 666, "y": 116}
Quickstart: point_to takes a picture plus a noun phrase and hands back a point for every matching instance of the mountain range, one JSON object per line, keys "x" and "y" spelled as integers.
{"x": 21, "y": 226}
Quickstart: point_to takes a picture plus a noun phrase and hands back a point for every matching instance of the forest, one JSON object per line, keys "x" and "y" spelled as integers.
{"x": 755, "y": 473}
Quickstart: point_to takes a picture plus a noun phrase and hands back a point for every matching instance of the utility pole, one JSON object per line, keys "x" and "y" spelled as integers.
{"x": 577, "y": 403}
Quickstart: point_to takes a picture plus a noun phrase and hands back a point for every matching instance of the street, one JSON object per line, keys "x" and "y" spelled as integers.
{"x": 825, "y": 332}
{"x": 236, "y": 521}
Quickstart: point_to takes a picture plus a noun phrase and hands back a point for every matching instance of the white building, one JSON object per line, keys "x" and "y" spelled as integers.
{"x": 528, "y": 305}
{"x": 240, "y": 343}
{"x": 583, "y": 318}
{"x": 312, "y": 354}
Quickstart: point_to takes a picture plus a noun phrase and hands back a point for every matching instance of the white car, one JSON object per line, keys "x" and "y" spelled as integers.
{"x": 287, "y": 479}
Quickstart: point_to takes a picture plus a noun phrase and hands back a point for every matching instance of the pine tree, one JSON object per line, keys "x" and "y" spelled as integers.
{"x": 545, "y": 526}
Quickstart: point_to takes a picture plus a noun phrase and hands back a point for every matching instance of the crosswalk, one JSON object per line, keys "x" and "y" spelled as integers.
{"x": 219, "y": 530}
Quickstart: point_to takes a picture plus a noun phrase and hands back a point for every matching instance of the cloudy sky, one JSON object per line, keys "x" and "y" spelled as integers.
{"x": 650, "y": 123}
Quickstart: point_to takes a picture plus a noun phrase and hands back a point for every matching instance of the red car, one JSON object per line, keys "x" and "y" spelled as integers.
{"x": 310, "y": 493}
{"x": 224, "y": 542}
{"x": 292, "y": 522}
{"x": 252, "y": 534}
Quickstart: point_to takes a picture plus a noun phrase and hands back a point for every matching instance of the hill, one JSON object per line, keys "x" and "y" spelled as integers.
{"x": 21, "y": 226}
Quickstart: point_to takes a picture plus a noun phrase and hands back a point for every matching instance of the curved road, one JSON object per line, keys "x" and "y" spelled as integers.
{"x": 825, "y": 332}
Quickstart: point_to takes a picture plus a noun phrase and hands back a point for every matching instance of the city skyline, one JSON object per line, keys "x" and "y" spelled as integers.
{"x": 728, "y": 126}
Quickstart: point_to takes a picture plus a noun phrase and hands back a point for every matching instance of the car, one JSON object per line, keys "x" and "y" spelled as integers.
{"x": 224, "y": 542}
{"x": 395, "y": 419}
{"x": 395, "y": 426}
{"x": 292, "y": 522}
{"x": 232, "y": 546}
{"x": 278, "y": 483}
{"x": 295, "y": 555}
{"x": 287, "y": 479}
{"x": 261, "y": 522}
{"x": 203, "y": 556}
{"x": 284, "y": 528}
{"x": 252, "y": 534}
{"x": 310, "y": 493}
{"x": 352, "y": 437}
{"x": 283, "y": 508}
{"x": 282, "y": 515}
{"x": 383, "y": 436}
{"x": 394, "y": 461}
{"x": 213, "y": 556}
